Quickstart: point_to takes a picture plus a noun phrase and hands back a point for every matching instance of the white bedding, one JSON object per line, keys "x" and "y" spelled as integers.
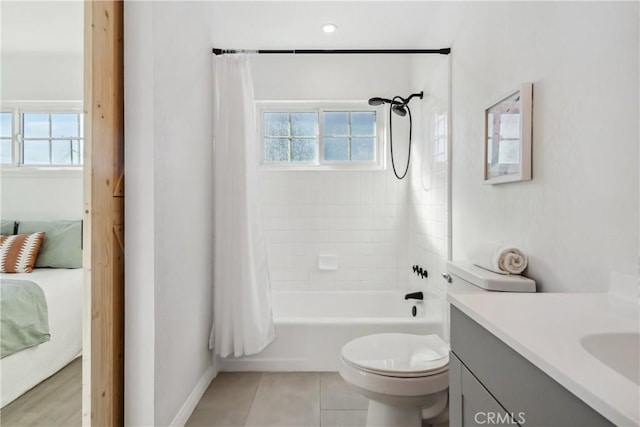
{"x": 23, "y": 370}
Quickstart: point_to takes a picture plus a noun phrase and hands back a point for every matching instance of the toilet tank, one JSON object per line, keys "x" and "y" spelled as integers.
{"x": 466, "y": 277}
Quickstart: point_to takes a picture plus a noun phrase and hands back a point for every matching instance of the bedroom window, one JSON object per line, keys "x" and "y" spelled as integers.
{"x": 51, "y": 138}
{"x": 304, "y": 135}
{"x": 41, "y": 135}
{"x": 6, "y": 137}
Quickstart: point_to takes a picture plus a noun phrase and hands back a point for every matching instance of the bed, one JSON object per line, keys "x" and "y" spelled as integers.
{"x": 63, "y": 289}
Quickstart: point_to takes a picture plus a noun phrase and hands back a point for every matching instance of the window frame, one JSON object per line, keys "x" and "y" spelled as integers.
{"x": 319, "y": 107}
{"x": 18, "y": 109}
{"x": 13, "y": 136}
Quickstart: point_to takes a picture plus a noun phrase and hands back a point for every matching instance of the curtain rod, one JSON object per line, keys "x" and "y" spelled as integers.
{"x": 444, "y": 51}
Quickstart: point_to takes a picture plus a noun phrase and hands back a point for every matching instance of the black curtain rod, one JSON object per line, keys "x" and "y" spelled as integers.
{"x": 444, "y": 51}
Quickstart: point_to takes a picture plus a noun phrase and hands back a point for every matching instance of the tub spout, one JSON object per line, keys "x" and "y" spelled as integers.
{"x": 414, "y": 295}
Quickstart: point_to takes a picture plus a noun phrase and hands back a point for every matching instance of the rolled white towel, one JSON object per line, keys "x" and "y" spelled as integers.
{"x": 499, "y": 259}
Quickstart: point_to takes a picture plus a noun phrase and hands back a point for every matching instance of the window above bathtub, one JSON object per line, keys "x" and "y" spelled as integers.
{"x": 320, "y": 135}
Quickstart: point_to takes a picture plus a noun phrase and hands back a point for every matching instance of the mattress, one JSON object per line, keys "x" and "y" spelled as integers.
{"x": 25, "y": 369}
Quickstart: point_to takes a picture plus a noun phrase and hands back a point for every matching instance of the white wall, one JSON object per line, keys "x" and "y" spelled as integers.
{"x": 361, "y": 216}
{"x": 41, "y": 77}
{"x": 168, "y": 110}
{"x": 578, "y": 218}
{"x": 37, "y": 195}
{"x": 139, "y": 376}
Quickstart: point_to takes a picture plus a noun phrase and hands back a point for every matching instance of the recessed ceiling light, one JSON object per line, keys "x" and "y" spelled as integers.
{"x": 329, "y": 28}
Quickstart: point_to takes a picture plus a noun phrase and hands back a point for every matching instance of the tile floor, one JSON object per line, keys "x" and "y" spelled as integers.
{"x": 280, "y": 399}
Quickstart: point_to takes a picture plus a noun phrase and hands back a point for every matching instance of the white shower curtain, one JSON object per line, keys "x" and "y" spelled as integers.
{"x": 243, "y": 321}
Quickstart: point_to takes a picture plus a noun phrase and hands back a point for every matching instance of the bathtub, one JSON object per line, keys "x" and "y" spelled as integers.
{"x": 312, "y": 326}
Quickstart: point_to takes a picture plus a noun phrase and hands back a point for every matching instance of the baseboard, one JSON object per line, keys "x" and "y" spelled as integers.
{"x": 257, "y": 364}
{"x": 190, "y": 404}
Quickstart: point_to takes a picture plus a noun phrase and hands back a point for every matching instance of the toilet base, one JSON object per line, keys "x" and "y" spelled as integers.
{"x": 381, "y": 415}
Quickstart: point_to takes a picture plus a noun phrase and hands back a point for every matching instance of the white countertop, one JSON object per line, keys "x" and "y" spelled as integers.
{"x": 546, "y": 329}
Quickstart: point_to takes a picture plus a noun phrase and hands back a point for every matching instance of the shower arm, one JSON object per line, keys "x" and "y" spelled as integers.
{"x": 419, "y": 95}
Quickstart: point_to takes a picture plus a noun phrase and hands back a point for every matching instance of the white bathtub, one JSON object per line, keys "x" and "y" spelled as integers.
{"x": 312, "y": 326}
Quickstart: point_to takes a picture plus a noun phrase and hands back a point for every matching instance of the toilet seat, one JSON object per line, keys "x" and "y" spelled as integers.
{"x": 398, "y": 355}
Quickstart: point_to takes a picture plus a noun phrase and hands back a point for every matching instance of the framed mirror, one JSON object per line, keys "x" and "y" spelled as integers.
{"x": 507, "y": 137}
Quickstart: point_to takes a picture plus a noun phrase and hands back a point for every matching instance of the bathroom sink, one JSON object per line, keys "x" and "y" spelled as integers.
{"x": 619, "y": 351}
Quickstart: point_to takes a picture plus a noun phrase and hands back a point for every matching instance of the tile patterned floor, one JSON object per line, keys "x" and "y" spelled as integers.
{"x": 279, "y": 399}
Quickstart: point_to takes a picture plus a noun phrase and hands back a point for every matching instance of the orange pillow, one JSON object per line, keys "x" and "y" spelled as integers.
{"x": 18, "y": 252}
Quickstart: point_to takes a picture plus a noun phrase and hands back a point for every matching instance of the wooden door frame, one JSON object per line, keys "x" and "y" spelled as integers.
{"x": 103, "y": 364}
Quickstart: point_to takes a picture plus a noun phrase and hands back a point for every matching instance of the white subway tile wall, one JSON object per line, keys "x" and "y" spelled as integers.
{"x": 360, "y": 216}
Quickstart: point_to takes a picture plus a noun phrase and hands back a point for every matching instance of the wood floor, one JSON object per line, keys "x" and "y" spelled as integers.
{"x": 279, "y": 399}
{"x": 57, "y": 401}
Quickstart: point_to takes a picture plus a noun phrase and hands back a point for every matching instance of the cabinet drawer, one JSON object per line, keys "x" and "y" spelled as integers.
{"x": 516, "y": 383}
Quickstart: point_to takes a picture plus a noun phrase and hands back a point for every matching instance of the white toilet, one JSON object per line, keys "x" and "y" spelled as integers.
{"x": 404, "y": 376}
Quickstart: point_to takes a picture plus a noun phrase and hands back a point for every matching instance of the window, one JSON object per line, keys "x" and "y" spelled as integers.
{"x": 6, "y": 136}
{"x": 290, "y": 137}
{"x": 51, "y": 138}
{"x": 41, "y": 136}
{"x": 316, "y": 135}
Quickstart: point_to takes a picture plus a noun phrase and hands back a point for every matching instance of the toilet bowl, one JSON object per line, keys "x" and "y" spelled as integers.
{"x": 402, "y": 375}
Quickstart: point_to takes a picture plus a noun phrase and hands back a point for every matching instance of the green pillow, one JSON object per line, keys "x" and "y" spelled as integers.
{"x": 7, "y": 227}
{"x": 62, "y": 246}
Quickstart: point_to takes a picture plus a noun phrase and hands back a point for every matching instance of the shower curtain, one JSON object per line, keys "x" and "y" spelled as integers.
{"x": 243, "y": 321}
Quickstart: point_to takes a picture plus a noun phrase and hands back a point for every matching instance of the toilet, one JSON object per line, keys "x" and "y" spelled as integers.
{"x": 404, "y": 376}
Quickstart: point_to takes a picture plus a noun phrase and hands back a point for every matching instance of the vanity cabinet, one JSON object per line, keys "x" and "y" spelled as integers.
{"x": 492, "y": 384}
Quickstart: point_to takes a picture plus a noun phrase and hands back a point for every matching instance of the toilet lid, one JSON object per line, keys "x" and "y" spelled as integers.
{"x": 398, "y": 355}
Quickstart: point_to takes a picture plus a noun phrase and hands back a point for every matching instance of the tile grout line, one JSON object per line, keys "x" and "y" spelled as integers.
{"x": 253, "y": 399}
{"x": 320, "y": 394}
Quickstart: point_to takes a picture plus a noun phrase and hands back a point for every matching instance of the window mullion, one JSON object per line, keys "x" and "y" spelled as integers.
{"x": 50, "y": 140}
{"x": 20, "y": 137}
{"x": 290, "y": 138}
{"x": 349, "y": 134}
{"x": 16, "y": 133}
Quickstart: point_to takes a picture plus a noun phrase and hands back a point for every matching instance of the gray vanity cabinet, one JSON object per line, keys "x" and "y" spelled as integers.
{"x": 492, "y": 384}
{"x": 472, "y": 405}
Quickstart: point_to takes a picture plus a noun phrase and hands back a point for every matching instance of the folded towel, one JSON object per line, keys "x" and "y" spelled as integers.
{"x": 499, "y": 259}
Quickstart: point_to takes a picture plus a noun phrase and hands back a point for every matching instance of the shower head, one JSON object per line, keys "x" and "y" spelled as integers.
{"x": 399, "y": 110}
{"x": 397, "y": 107}
{"x": 380, "y": 101}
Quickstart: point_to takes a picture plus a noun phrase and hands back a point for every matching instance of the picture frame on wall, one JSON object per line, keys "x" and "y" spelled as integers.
{"x": 507, "y": 137}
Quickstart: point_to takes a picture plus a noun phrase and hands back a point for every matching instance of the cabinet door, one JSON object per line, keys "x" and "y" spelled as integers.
{"x": 455, "y": 391}
{"x": 470, "y": 404}
{"x": 479, "y": 408}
